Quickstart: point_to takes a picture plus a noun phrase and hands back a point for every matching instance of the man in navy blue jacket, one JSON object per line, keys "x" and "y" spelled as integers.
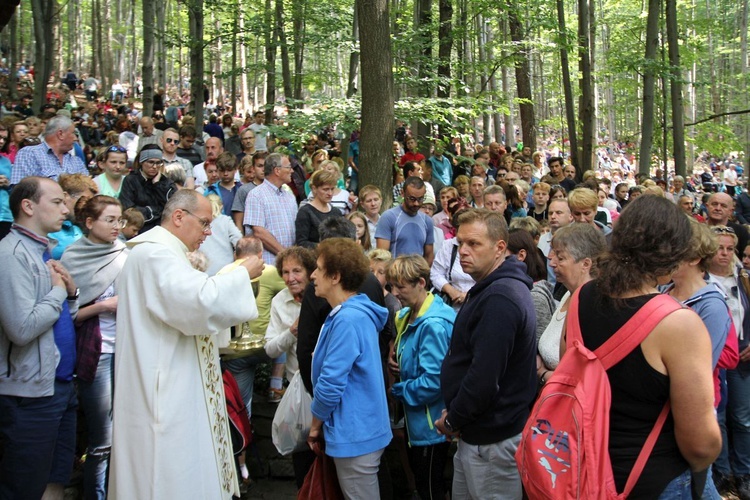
{"x": 488, "y": 377}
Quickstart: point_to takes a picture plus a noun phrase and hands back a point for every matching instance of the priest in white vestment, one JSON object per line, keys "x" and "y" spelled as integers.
{"x": 170, "y": 428}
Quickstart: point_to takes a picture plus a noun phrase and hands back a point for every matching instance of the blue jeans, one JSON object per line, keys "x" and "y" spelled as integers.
{"x": 243, "y": 370}
{"x": 679, "y": 488}
{"x": 40, "y": 436}
{"x": 735, "y": 458}
{"x": 96, "y": 401}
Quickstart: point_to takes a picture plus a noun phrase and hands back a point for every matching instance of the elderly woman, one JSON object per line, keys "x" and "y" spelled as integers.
{"x": 649, "y": 241}
{"x": 424, "y": 327}
{"x": 573, "y": 255}
{"x": 727, "y": 273}
{"x": 311, "y": 214}
{"x": 294, "y": 265}
{"x": 95, "y": 262}
{"x": 349, "y": 405}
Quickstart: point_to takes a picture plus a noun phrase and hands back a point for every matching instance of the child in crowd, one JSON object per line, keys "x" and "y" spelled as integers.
{"x": 541, "y": 199}
{"x": 133, "y": 224}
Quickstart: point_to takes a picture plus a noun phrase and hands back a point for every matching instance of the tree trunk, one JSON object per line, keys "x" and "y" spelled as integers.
{"x": 286, "y": 73}
{"x": 106, "y": 55}
{"x": 508, "y": 122}
{"x": 678, "y": 117}
{"x": 133, "y": 47}
{"x": 445, "y": 48}
{"x": 13, "y": 59}
{"x": 195, "y": 20}
{"x": 426, "y": 75}
{"x": 744, "y": 72}
{"x": 235, "y": 49}
{"x": 94, "y": 37}
{"x": 72, "y": 9}
{"x": 481, "y": 27}
{"x": 647, "y": 123}
{"x": 161, "y": 47}
{"x": 243, "y": 63}
{"x": 43, "y": 12}
{"x": 270, "y": 36}
{"x": 147, "y": 73}
{"x": 298, "y": 39}
{"x": 570, "y": 114}
{"x": 586, "y": 109}
{"x": 377, "y": 97}
{"x": 351, "y": 87}
{"x": 523, "y": 83}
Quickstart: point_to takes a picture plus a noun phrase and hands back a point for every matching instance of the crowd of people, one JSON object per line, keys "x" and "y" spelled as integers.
{"x": 136, "y": 264}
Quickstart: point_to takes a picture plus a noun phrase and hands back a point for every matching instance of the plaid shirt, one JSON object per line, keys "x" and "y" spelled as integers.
{"x": 40, "y": 160}
{"x": 274, "y": 209}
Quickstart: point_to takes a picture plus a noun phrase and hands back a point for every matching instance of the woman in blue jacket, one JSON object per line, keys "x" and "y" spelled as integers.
{"x": 349, "y": 406}
{"x": 424, "y": 329}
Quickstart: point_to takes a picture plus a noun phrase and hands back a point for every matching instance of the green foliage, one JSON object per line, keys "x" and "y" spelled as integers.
{"x": 716, "y": 139}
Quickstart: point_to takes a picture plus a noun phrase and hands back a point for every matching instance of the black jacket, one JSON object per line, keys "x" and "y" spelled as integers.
{"x": 488, "y": 377}
{"x": 148, "y": 198}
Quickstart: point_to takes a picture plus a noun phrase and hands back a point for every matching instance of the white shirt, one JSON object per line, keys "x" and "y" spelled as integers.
{"x": 279, "y": 339}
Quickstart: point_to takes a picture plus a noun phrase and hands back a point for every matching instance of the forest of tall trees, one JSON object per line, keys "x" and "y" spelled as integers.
{"x": 572, "y": 72}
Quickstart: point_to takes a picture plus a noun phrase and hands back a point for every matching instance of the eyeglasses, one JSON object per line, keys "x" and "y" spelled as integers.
{"x": 171, "y": 141}
{"x": 116, "y": 149}
{"x": 115, "y": 222}
{"x": 723, "y": 230}
{"x": 205, "y": 223}
{"x": 414, "y": 199}
{"x": 154, "y": 163}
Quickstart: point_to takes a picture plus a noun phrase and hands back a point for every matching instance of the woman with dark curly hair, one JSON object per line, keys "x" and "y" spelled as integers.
{"x": 349, "y": 405}
{"x": 673, "y": 363}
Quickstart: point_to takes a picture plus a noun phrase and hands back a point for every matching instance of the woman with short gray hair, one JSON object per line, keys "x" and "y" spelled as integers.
{"x": 575, "y": 249}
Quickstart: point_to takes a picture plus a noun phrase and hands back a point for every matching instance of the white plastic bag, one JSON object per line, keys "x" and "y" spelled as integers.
{"x": 293, "y": 418}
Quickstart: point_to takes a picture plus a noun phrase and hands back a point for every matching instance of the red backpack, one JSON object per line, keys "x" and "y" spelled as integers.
{"x": 564, "y": 449}
{"x": 240, "y": 429}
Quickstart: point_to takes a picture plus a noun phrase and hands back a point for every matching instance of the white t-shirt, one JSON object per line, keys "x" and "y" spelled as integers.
{"x": 261, "y": 133}
{"x": 107, "y": 323}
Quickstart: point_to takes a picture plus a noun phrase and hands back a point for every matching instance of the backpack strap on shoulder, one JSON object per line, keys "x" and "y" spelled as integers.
{"x": 636, "y": 329}
{"x": 648, "y": 447}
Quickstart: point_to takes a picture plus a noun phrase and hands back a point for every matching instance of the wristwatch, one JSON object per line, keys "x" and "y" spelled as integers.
{"x": 75, "y": 295}
{"x": 448, "y": 425}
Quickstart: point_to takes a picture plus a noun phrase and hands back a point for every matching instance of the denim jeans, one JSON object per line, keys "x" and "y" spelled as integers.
{"x": 679, "y": 488}
{"x": 735, "y": 456}
{"x": 243, "y": 370}
{"x": 487, "y": 471}
{"x": 39, "y": 435}
{"x": 96, "y": 401}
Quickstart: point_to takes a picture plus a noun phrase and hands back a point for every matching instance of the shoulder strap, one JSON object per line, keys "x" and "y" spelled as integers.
{"x": 636, "y": 329}
{"x": 648, "y": 447}
{"x": 454, "y": 252}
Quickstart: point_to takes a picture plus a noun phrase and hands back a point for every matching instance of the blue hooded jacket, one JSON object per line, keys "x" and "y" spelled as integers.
{"x": 348, "y": 385}
{"x": 420, "y": 349}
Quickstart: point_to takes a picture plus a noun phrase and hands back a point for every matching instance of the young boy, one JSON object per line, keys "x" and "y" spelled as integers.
{"x": 133, "y": 224}
{"x": 227, "y": 186}
{"x": 541, "y": 198}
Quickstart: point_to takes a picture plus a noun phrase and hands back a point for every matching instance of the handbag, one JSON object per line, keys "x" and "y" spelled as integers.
{"x": 321, "y": 482}
{"x": 293, "y": 418}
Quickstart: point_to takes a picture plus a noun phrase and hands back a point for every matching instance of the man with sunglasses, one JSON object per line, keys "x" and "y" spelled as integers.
{"x": 170, "y": 140}
{"x": 147, "y": 189}
{"x": 405, "y": 229}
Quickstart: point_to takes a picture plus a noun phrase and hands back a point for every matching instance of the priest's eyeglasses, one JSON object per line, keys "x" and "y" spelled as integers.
{"x": 205, "y": 223}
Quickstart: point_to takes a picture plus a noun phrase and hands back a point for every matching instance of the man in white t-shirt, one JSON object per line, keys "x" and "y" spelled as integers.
{"x": 260, "y": 130}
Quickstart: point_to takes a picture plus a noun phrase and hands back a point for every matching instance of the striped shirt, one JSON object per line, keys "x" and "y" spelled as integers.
{"x": 275, "y": 210}
{"x": 40, "y": 160}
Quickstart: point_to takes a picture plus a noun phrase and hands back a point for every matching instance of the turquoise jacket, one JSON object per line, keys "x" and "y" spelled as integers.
{"x": 347, "y": 375}
{"x": 5, "y": 169}
{"x": 420, "y": 349}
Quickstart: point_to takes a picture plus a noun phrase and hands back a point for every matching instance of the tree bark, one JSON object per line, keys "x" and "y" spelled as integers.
{"x": 586, "y": 109}
{"x": 351, "y": 87}
{"x": 377, "y": 97}
{"x": 43, "y": 12}
{"x": 161, "y": 46}
{"x": 647, "y": 123}
{"x": 286, "y": 73}
{"x": 147, "y": 72}
{"x": 270, "y": 39}
{"x": 523, "y": 83}
{"x": 570, "y": 114}
{"x": 445, "y": 48}
{"x": 13, "y": 59}
{"x": 298, "y": 39}
{"x": 678, "y": 115}
{"x": 243, "y": 63}
{"x": 195, "y": 21}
